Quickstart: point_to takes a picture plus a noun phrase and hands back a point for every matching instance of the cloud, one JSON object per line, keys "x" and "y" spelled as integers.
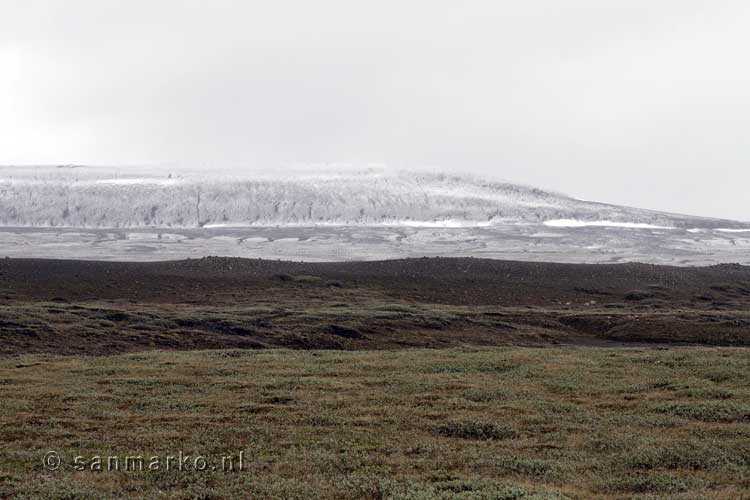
{"x": 641, "y": 103}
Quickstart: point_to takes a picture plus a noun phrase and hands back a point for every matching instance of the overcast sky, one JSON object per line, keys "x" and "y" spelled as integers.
{"x": 638, "y": 102}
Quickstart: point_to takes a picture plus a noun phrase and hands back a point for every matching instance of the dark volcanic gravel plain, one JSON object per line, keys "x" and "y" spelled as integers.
{"x": 87, "y": 307}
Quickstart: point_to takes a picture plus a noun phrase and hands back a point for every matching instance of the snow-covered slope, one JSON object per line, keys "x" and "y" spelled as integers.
{"x": 85, "y": 197}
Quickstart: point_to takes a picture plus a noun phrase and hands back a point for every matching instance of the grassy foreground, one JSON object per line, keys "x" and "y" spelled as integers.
{"x": 460, "y": 423}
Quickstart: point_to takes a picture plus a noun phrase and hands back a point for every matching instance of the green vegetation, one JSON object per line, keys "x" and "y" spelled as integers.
{"x": 471, "y": 423}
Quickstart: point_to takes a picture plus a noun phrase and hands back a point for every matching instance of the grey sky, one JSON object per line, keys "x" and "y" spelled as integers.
{"x": 645, "y": 103}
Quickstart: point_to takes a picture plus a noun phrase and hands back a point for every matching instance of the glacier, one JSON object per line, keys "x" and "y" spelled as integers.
{"x": 87, "y": 197}
{"x": 148, "y": 214}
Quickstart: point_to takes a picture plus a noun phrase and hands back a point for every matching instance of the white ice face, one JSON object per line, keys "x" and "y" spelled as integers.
{"x": 602, "y": 223}
{"x": 86, "y": 197}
